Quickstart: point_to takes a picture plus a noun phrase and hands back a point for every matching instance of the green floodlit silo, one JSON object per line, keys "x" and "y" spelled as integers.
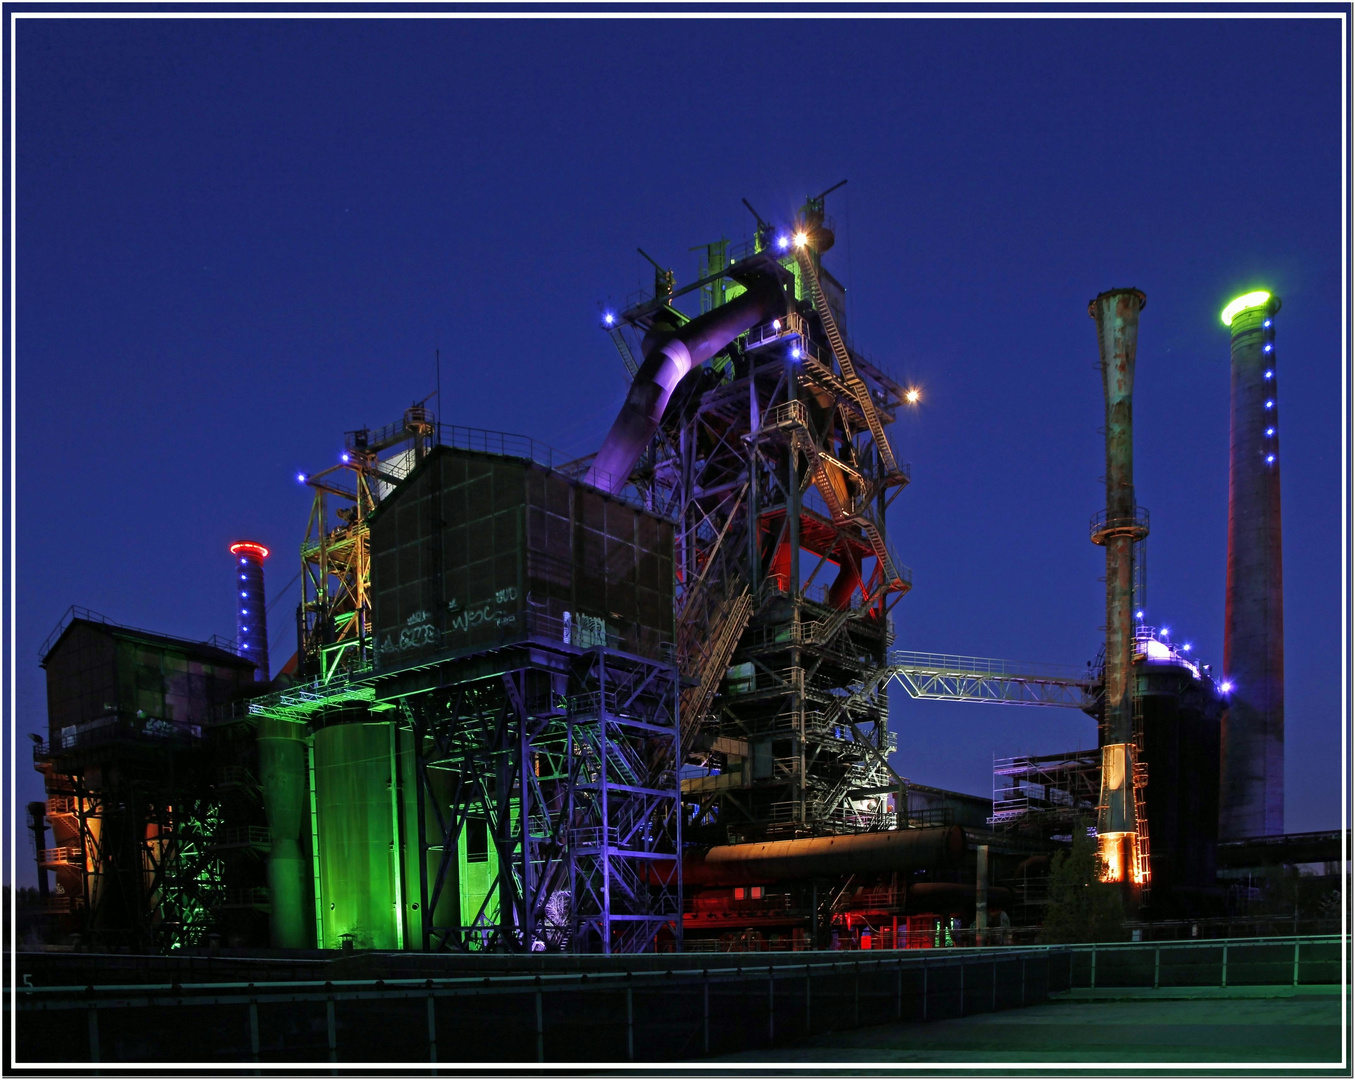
{"x": 357, "y": 821}
{"x": 282, "y": 774}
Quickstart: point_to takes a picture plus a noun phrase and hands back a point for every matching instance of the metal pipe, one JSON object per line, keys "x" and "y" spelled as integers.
{"x": 1116, "y": 314}
{"x": 37, "y": 822}
{"x": 826, "y": 856}
{"x": 1251, "y": 801}
{"x": 668, "y": 359}
{"x": 981, "y": 893}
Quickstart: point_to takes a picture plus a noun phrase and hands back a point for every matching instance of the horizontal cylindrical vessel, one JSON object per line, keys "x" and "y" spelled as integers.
{"x": 899, "y": 850}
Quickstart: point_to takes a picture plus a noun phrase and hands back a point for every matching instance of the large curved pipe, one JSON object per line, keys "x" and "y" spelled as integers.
{"x": 667, "y": 360}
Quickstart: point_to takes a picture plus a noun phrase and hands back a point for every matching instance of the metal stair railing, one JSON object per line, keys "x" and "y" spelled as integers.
{"x": 849, "y": 375}
{"x": 62, "y": 856}
{"x": 62, "y": 806}
{"x": 832, "y": 484}
{"x": 896, "y": 576}
{"x": 627, "y": 358}
{"x": 732, "y": 617}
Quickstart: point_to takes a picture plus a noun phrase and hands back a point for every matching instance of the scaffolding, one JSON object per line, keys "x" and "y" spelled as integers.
{"x": 334, "y": 616}
{"x": 1049, "y": 793}
{"x": 569, "y": 762}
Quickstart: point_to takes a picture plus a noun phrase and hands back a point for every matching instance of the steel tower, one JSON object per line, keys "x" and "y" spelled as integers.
{"x": 761, "y": 431}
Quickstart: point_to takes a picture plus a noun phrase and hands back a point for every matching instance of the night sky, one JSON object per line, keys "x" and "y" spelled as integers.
{"x": 237, "y": 240}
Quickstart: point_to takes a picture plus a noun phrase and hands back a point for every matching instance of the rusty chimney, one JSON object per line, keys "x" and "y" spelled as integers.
{"x": 1117, "y": 528}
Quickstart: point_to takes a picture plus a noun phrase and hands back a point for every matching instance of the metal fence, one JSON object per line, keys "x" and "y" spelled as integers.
{"x": 675, "y": 1008}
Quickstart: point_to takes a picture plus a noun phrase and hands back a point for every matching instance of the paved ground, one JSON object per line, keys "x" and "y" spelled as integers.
{"x": 1302, "y": 1027}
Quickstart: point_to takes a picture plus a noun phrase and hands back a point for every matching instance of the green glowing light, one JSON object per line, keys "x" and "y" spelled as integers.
{"x": 1242, "y": 303}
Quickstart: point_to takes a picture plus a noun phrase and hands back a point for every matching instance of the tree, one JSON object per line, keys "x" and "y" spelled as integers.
{"x": 1081, "y": 906}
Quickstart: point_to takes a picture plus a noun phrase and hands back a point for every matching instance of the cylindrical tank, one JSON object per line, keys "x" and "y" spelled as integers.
{"x": 251, "y": 625}
{"x": 1180, "y": 707}
{"x": 282, "y": 775}
{"x": 1251, "y": 793}
{"x": 357, "y": 827}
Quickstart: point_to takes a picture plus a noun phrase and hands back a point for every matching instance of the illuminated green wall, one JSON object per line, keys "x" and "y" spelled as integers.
{"x": 357, "y": 821}
{"x": 365, "y": 796}
{"x": 475, "y": 876}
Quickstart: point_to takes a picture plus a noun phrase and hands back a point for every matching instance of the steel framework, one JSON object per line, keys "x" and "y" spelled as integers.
{"x": 570, "y": 760}
{"x": 940, "y": 677}
{"x": 775, "y": 450}
{"x": 334, "y": 617}
{"x": 567, "y": 754}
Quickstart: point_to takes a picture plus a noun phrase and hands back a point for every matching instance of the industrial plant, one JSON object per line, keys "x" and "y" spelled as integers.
{"x": 638, "y": 702}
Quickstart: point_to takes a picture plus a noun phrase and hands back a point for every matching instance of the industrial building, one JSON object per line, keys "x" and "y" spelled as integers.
{"x": 638, "y": 701}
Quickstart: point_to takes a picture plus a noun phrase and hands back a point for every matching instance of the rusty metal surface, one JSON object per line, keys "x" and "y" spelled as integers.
{"x": 1116, "y": 314}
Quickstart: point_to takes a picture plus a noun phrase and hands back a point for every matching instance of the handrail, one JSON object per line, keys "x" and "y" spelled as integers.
{"x": 75, "y": 611}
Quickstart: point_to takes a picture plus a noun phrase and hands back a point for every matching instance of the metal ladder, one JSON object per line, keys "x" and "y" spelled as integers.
{"x": 1140, "y": 781}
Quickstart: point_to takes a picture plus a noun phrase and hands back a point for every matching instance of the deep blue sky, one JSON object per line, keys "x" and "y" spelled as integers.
{"x": 238, "y": 239}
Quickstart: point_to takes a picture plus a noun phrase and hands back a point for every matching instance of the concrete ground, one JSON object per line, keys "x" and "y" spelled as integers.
{"x": 1257, "y": 1026}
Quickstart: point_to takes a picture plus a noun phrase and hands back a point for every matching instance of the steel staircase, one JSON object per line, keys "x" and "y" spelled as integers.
{"x": 619, "y": 340}
{"x": 822, "y": 631}
{"x": 844, "y": 362}
{"x": 711, "y": 642}
{"x": 892, "y": 574}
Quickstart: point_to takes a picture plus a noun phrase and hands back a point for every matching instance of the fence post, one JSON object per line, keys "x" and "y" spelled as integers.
{"x": 994, "y": 986}
{"x": 1296, "y": 963}
{"x": 1157, "y": 966}
{"x": 1023, "y": 979}
{"x": 856, "y": 994}
{"x": 1093, "y": 985}
{"x": 898, "y": 1004}
{"x": 93, "y": 1033}
{"x": 432, "y": 1031}
{"x": 630, "y": 1018}
{"x": 540, "y": 1023}
{"x": 924, "y": 989}
{"x": 809, "y": 1024}
{"x": 771, "y": 1005}
{"x": 254, "y": 1032}
{"x": 705, "y": 1010}
{"x": 331, "y": 1028}
{"x": 962, "y": 967}
{"x": 1224, "y": 981}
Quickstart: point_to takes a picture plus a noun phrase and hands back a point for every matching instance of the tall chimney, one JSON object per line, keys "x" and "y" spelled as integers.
{"x": 1251, "y": 796}
{"x": 251, "y": 626}
{"x": 1117, "y": 528}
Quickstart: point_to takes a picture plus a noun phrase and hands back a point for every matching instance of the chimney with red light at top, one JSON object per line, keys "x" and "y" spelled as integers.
{"x": 251, "y": 627}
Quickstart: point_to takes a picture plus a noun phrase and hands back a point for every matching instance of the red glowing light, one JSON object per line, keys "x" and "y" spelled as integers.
{"x": 247, "y": 548}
